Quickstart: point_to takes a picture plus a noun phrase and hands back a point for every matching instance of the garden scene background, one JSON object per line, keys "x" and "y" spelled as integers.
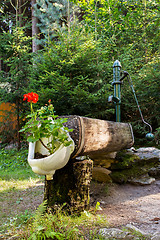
{"x": 64, "y": 51}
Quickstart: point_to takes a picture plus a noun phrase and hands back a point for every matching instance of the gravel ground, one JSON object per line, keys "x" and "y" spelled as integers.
{"x": 123, "y": 204}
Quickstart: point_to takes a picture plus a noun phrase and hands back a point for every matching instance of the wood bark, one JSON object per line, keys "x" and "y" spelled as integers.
{"x": 97, "y": 138}
{"x": 70, "y": 187}
{"x": 102, "y": 137}
{"x": 20, "y": 3}
{"x": 35, "y": 29}
{"x": 18, "y": 124}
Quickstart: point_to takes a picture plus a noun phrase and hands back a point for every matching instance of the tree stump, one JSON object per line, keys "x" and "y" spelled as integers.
{"x": 70, "y": 187}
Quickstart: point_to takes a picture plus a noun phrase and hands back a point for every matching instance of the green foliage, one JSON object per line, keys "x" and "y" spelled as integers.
{"x": 74, "y": 74}
{"x": 97, "y": 207}
{"x": 14, "y": 165}
{"x": 15, "y": 48}
{"x": 43, "y": 123}
{"x": 149, "y": 78}
{"x": 130, "y": 31}
{"x": 50, "y": 226}
{"x": 157, "y": 136}
{"x": 80, "y": 58}
{"x": 51, "y": 15}
{"x": 19, "y": 220}
{"x": 122, "y": 22}
{"x": 12, "y": 159}
{"x": 80, "y": 42}
{"x": 45, "y": 225}
{"x": 146, "y": 86}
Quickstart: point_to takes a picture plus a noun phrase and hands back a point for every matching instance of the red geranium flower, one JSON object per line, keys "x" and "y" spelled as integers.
{"x": 31, "y": 97}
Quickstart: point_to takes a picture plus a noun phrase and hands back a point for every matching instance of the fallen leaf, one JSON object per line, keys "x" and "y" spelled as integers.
{"x": 155, "y": 219}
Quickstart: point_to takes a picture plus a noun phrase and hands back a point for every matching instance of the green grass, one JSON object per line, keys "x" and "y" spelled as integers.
{"x": 45, "y": 225}
{"x": 19, "y": 186}
{"x": 21, "y": 193}
{"x": 13, "y": 165}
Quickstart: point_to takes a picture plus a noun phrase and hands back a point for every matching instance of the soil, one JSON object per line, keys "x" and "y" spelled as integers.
{"x": 121, "y": 204}
{"x": 124, "y": 204}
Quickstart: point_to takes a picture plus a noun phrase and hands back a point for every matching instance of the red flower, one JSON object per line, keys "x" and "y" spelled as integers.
{"x": 31, "y": 97}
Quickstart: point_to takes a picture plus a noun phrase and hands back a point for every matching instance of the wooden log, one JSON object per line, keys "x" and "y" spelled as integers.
{"x": 96, "y": 138}
{"x": 70, "y": 186}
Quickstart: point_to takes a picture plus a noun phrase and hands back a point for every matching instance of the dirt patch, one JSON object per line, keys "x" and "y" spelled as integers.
{"x": 15, "y": 202}
{"x": 123, "y": 204}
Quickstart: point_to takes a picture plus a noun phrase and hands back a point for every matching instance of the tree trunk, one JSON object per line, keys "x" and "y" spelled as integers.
{"x": 70, "y": 187}
{"x": 18, "y": 126}
{"x": 0, "y": 64}
{"x": 20, "y": 13}
{"x": 35, "y": 30}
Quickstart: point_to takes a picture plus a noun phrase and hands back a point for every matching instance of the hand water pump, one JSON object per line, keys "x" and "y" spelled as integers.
{"x": 116, "y": 98}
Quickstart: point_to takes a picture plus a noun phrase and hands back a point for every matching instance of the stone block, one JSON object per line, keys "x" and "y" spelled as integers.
{"x": 100, "y": 174}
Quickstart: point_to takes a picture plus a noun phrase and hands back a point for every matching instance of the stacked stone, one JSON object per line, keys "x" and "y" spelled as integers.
{"x": 141, "y": 166}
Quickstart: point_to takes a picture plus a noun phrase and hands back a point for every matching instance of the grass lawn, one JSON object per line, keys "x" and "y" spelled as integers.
{"x": 21, "y": 193}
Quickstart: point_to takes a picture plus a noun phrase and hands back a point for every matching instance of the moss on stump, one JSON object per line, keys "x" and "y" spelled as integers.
{"x": 70, "y": 187}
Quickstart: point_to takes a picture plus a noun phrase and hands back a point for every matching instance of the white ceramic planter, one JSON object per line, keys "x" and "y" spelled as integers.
{"x": 48, "y": 165}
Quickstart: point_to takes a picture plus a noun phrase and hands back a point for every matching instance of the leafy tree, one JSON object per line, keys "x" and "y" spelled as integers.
{"x": 51, "y": 15}
{"x": 119, "y": 29}
{"x": 130, "y": 32}
{"x": 72, "y": 72}
{"x": 15, "y": 49}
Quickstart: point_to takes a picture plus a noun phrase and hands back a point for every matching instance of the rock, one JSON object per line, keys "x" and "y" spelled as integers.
{"x": 124, "y": 160}
{"x": 130, "y": 232}
{"x": 155, "y": 172}
{"x": 126, "y": 175}
{"x": 148, "y": 153}
{"x": 156, "y": 236}
{"x": 127, "y": 158}
{"x": 132, "y": 149}
{"x": 143, "y": 180}
{"x": 81, "y": 158}
{"x": 132, "y": 228}
{"x": 100, "y": 174}
{"x": 104, "y": 161}
{"x": 110, "y": 233}
{"x": 131, "y": 165}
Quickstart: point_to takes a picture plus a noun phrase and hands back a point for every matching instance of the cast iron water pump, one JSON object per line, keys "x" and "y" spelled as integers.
{"x": 116, "y": 98}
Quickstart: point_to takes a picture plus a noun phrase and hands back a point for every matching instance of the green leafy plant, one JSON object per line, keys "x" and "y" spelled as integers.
{"x": 157, "y": 136}
{"x": 43, "y": 123}
{"x": 97, "y": 207}
{"x": 46, "y": 225}
{"x": 10, "y": 159}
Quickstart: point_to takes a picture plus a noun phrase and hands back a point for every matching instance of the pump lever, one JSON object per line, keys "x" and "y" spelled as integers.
{"x": 125, "y": 74}
{"x": 149, "y": 135}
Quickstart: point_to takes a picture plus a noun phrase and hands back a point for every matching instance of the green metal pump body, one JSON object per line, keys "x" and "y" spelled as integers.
{"x": 117, "y": 89}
